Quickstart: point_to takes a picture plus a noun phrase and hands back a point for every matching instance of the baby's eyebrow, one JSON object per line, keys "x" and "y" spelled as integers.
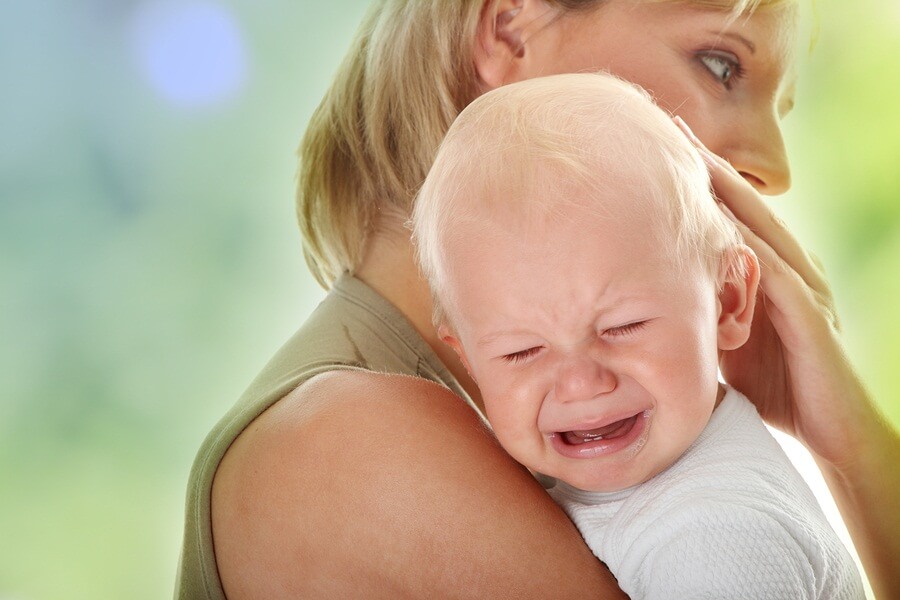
{"x": 492, "y": 337}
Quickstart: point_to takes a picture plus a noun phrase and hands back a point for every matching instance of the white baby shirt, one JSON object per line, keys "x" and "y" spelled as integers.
{"x": 731, "y": 518}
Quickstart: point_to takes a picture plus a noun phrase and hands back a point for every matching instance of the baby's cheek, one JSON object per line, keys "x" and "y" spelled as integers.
{"x": 512, "y": 403}
{"x": 523, "y": 445}
{"x": 505, "y": 417}
{"x": 686, "y": 356}
{"x": 513, "y": 418}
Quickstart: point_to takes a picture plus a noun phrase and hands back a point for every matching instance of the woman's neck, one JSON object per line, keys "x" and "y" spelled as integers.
{"x": 390, "y": 269}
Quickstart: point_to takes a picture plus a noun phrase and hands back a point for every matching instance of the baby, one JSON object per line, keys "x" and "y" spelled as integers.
{"x": 587, "y": 279}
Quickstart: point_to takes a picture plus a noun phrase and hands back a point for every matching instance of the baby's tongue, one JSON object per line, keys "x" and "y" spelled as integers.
{"x": 613, "y": 430}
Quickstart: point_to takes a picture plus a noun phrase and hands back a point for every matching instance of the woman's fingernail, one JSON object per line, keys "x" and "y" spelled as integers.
{"x": 687, "y": 130}
{"x": 707, "y": 157}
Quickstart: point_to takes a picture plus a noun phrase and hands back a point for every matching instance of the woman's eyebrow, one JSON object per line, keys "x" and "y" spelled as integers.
{"x": 737, "y": 37}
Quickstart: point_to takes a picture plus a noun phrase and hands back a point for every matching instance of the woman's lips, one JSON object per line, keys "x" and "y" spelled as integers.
{"x": 630, "y": 432}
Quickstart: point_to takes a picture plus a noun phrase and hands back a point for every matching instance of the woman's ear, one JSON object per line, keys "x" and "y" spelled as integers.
{"x": 500, "y": 52}
{"x": 737, "y": 299}
{"x": 448, "y": 336}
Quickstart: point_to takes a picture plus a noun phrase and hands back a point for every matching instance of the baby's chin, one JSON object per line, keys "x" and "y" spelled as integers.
{"x": 605, "y": 482}
{"x": 608, "y": 478}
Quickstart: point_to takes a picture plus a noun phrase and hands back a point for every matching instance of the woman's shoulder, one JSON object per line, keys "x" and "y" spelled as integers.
{"x": 355, "y": 400}
{"x": 383, "y": 478}
{"x": 341, "y": 419}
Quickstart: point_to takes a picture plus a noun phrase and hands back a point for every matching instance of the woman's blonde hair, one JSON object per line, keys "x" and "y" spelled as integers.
{"x": 371, "y": 141}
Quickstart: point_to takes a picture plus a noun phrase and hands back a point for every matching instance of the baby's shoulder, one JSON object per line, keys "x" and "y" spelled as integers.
{"x": 713, "y": 549}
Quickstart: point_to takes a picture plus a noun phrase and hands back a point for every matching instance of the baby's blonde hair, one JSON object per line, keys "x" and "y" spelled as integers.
{"x": 371, "y": 141}
{"x": 532, "y": 150}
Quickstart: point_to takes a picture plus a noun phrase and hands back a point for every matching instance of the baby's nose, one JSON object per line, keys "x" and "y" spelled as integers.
{"x": 583, "y": 378}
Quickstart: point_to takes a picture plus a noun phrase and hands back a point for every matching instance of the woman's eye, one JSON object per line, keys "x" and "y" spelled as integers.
{"x": 517, "y": 357}
{"x": 625, "y": 329}
{"x": 724, "y": 67}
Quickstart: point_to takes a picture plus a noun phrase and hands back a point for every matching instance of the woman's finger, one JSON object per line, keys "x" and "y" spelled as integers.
{"x": 749, "y": 208}
{"x": 788, "y": 293}
{"x": 746, "y": 204}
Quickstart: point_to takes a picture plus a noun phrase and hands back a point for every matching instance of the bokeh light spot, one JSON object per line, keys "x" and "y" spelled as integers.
{"x": 192, "y": 53}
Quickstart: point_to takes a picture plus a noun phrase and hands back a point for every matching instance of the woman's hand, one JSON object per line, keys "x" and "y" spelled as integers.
{"x": 793, "y": 367}
{"x": 795, "y": 370}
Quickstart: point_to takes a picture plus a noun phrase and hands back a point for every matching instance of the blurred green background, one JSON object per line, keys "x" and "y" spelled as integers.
{"x": 150, "y": 265}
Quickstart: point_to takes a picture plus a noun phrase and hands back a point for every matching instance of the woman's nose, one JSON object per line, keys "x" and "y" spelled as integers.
{"x": 759, "y": 155}
{"x": 583, "y": 378}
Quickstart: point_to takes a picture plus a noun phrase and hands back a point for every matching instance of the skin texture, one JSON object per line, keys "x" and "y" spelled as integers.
{"x": 409, "y": 519}
{"x": 572, "y": 324}
{"x": 267, "y": 520}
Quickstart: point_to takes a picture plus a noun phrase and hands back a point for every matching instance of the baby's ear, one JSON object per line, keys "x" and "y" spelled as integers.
{"x": 448, "y": 336}
{"x": 737, "y": 299}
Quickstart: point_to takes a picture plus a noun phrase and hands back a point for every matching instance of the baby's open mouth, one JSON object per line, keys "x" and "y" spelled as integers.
{"x": 607, "y": 432}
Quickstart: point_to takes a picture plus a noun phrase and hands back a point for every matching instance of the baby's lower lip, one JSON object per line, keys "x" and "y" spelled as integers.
{"x": 603, "y": 441}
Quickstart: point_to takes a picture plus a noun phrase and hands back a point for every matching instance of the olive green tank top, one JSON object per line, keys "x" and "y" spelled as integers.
{"x": 352, "y": 328}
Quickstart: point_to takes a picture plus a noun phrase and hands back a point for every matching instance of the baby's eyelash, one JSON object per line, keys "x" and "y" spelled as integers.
{"x": 621, "y": 330}
{"x": 517, "y": 357}
{"x": 626, "y": 329}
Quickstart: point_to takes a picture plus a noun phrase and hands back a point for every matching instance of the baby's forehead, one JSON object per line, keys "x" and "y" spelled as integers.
{"x": 539, "y": 146}
{"x": 542, "y": 191}
{"x": 527, "y": 157}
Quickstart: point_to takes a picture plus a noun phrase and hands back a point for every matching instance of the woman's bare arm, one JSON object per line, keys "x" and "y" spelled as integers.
{"x": 795, "y": 370}
{"x": 385, "y": 486}
{"x": 867, "y": 492}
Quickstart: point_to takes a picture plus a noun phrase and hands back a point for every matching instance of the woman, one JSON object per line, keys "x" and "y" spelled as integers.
{"x": 339, "y": 474}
